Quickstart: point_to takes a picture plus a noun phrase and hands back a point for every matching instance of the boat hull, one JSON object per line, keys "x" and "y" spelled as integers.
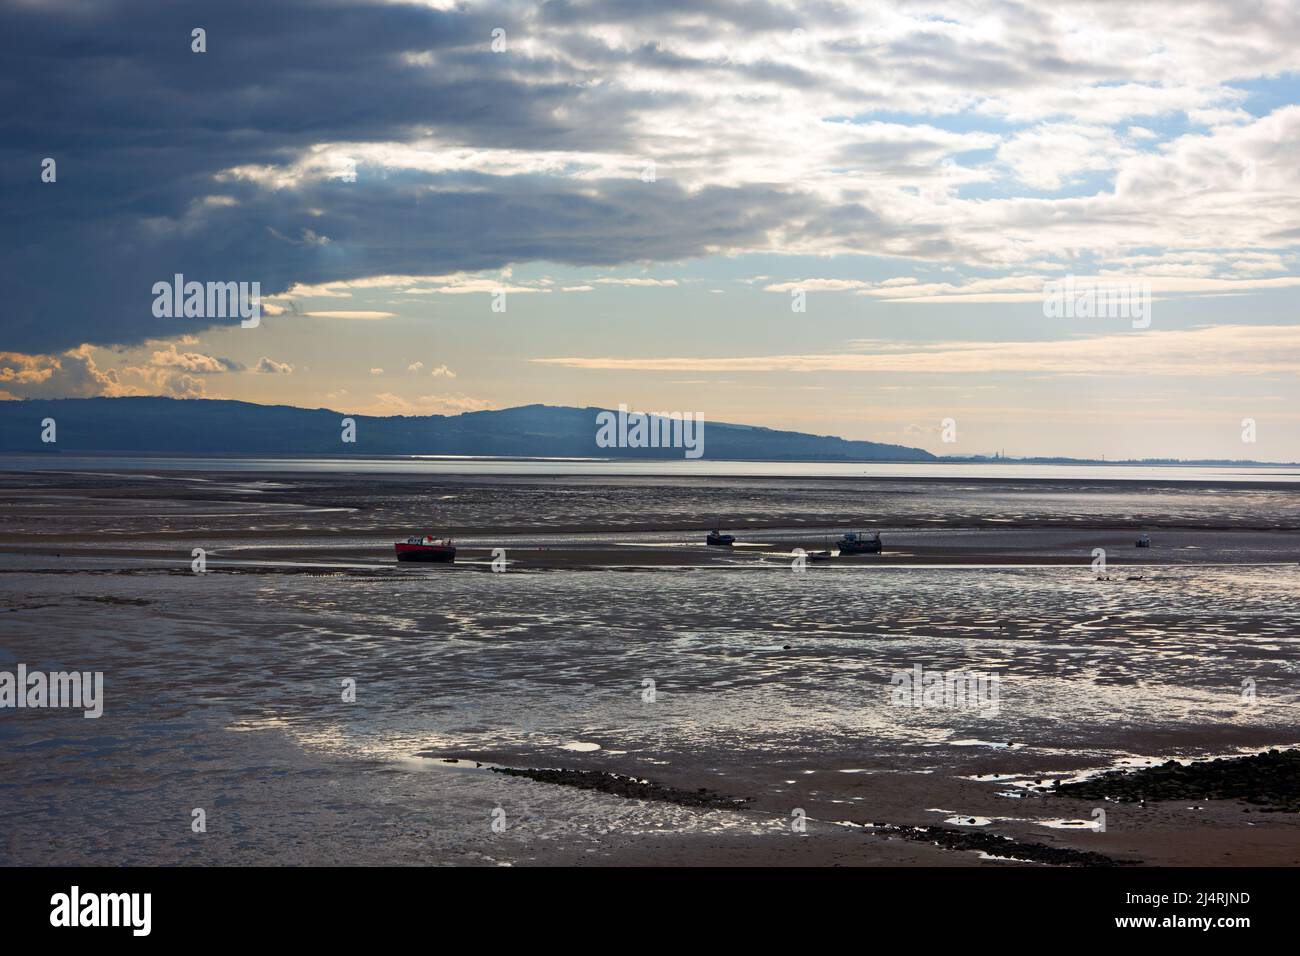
{"x": 429, "y": 553}
{"x": 871, "y": 547}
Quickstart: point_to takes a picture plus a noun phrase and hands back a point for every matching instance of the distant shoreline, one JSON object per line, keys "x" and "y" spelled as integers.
{"x": 153, "y": 427}
{"x": 944, "y": 460}
{"x": 1183, "y": 474}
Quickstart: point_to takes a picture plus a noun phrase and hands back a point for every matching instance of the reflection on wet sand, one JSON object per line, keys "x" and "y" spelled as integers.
{"x": 223, "y": 689}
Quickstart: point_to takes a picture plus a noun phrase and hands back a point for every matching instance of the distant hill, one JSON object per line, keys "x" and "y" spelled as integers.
{"x": 216, "y": 427}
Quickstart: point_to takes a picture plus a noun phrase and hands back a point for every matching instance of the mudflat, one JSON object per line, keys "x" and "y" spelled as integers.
{"x": 617, "y": 691}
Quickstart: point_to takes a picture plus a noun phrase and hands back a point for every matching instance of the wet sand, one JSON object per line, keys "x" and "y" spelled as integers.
{"x": 772, "y": 687}
{"x": 350, "y": 521}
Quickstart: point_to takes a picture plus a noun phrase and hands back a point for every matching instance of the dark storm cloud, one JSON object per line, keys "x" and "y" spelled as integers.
{"x": 670, "y": 15}
{"x": 140, "y": 126}
{"x": 206, "y": 164}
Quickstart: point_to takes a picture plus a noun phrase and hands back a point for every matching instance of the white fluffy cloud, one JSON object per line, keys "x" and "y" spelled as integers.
{"x": 71, "y": 374}
{"x": 269, "y": 366}
{"x": 78, "y": 373}
{"x": 850, "y": 107}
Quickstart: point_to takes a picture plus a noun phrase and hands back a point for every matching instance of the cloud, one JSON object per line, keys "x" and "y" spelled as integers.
{"x": 918, "y": 431}
{"x": 71, "y": 374}
{"x": 1214, "y": 351}
{"x": 388, "y": 403}
{"x": 1050, "y": 155}
{"x": 196, "y": 363}
{"x": 179, "y": 386}
{"x": 819, "y": 285}
{"x": 634, "y": 281}
{"x": 272, "y": 367}
{"x": 381, "y": 137}
{"x": 1165, "y": 275}
{"x": 460, "y": 283}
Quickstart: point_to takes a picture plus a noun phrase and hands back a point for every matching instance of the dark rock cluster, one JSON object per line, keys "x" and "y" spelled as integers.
{"x": 1270, "y": 780}
{"x": 624, "y": 786}
{"x": 1002, "y": 846}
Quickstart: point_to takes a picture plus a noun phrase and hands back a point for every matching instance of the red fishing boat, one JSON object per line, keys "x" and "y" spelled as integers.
{"x": 426, "y": 548}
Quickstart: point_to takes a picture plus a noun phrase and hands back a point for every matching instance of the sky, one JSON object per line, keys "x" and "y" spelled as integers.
{"x": 827, "y": 217}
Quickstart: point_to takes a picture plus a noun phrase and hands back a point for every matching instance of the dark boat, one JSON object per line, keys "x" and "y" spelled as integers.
{"x": 1144, "y": 541}
{"x": 718, "y": 539}
{"x": 855, "y": 543}
{"x": 426, "y": 548}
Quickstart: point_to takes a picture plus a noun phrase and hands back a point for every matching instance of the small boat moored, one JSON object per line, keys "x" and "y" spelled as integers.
{"x": 720, "y": 540}
{"x": 425, "y": 548}
{"x": 854, "y": 542}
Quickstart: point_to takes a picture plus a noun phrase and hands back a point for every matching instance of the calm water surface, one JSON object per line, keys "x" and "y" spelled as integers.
{"x": 436, "y": 465}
